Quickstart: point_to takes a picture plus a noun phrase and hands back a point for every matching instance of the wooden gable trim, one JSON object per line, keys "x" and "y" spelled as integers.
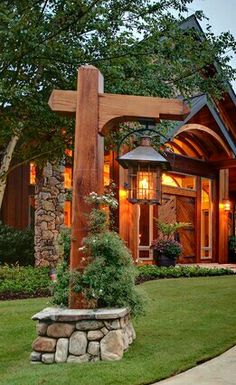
{"x": 207, "y": 130}
{"x": 202, "y": 102}
{"x": 222, "y": 127}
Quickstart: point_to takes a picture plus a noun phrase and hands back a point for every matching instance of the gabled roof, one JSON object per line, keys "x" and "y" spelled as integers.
{"x": 192, "y": 23}
{"x": 200, "y": 101}
{"x": 197, "y": 103}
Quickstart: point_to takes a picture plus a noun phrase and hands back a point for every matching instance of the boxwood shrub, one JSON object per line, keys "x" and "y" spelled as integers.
{"x": 16, "y": 246}
{"x": 150, "y": 272}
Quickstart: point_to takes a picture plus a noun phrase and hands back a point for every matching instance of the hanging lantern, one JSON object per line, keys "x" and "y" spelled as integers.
{"x": 145, "y": 166}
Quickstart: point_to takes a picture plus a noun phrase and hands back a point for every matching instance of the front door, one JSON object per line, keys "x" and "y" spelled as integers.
{"x": 176, "y": 208}
{"x": 185, "y": 212}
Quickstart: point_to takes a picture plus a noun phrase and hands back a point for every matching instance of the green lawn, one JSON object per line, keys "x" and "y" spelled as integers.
{"x": 186, "y": 321}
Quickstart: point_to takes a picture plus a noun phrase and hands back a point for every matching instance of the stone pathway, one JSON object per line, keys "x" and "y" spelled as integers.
{"x": 218, "y": 371}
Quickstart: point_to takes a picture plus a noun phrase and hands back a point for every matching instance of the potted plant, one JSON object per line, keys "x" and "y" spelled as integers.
{"x": 166, "y": 249}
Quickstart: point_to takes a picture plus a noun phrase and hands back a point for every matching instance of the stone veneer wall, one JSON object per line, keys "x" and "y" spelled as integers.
{"x": 49, "y": 213}
{"x": 81, "y": 335}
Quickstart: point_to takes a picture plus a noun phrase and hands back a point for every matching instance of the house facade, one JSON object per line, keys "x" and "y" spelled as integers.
{"x": 200, "y": 189}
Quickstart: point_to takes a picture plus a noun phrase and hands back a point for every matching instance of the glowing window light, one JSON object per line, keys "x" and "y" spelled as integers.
{"x": 169, "y": 181}
{"x": 32, "y": 173}
{"x": 68, "y": 178}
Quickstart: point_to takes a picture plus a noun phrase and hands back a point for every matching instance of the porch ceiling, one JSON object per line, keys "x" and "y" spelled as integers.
{"x": 213, "y": 118}
{"x": 200, "y": 142}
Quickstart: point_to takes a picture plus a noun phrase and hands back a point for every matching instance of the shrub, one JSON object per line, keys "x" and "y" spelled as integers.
{"x": 16, "y": 246}
{"x": 63, "y": 244}
{"x": 109, "y": 279}
{"x": 150, "y": 272}
{"x": 60, "y": 287}
{"x": 19, "y": 280}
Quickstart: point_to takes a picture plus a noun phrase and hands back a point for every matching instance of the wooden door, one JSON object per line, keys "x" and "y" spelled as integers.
{"x": 185, "y": 212}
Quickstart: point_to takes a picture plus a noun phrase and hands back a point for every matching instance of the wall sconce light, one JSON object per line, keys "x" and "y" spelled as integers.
{"x": 227, "y": 205}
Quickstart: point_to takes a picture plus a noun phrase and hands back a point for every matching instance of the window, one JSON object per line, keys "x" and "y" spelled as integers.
{"x": 68, "y": 178}
{"x": 206, "y": 218}
{"x": 67, "y": 213}
{"x": 32, "y": 173}
{"x": 183, "y": 181}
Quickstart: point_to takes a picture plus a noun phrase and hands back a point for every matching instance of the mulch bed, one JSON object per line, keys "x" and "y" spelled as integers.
{"x": 10, "y": 296}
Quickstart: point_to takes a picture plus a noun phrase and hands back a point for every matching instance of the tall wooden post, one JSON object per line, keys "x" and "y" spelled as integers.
{"x": 88, "y": 162}
{"x": 223, "y": 215}
{"x": 97, "y": 112}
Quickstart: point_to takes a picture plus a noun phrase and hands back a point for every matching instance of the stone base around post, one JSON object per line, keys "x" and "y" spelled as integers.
{"x": 81, "y": 335}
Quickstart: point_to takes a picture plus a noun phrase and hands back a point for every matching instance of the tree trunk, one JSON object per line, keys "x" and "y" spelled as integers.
{"x": 6, "y": 164}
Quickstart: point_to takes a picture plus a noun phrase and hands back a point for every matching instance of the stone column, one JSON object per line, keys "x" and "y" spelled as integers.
{"x": 49, "y": 213}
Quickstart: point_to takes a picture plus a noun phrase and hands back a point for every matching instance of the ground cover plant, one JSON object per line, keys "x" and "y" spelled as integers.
{"x": 187, "y": 321}
{"x": 23, "y": 282}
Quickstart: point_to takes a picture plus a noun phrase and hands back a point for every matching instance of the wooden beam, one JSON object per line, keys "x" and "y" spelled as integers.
{"x": 119, "y": 108}
{"x": 224, "y": 163}
{"x": 192, "y": 148}
{"x": 115, "y": 108}
{"x": 178, "y": 191}
{"x": 199, "y": 127}
{"x": 187, "y": 165}
{"x": 177, "y": 147}
{"x": 63, "y": 102}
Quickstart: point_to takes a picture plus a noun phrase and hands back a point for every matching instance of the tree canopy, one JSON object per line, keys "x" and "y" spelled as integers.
{"x": 138, "y": 45}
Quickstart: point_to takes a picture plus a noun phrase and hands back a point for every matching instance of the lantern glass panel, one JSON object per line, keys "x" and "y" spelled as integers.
{"x": 145, "y": 184}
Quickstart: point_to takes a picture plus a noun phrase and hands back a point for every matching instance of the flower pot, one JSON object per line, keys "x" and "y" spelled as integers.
{"x": 163, "y": 260}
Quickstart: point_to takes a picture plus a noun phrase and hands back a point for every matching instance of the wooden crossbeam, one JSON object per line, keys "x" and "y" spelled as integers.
{"x": 224, "y": 163}
{"x": 185, "y": 164}
{"x": 115, "y": 108}
{"x": 119, "y": 108}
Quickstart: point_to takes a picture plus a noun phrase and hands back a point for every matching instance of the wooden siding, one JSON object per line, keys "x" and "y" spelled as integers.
{"x": 15, "y": 209}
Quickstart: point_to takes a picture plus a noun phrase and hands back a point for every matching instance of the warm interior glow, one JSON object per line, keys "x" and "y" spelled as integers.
{"x": 106, "y": 173}
{"x": 122, "y": 194}
{"x": 32, "y": 173}
{"x": 67, "y": 213}
{"x": 206, "y": 218}
{"x": 68, "y": 177}
{"x": 145, "y": 185}
{"x": 169, "y": 181}
{"x": 179, "y": 180}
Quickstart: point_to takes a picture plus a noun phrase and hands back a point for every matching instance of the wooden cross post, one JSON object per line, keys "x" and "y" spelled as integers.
{"x": 97, "y": 112}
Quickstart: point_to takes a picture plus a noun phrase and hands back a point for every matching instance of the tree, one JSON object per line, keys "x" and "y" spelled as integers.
{"x": 138, "y": 45}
